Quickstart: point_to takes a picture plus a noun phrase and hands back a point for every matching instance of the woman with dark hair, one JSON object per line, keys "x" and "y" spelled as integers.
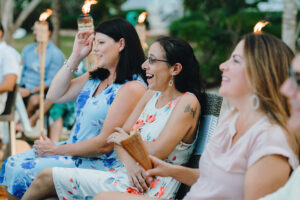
{"x": 252, "y": 152}
{"x": 166, "y": 117}
{"x": 104, "y": 98}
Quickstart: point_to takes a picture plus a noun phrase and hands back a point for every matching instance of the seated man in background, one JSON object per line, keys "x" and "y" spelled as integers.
{"x": 9, "y": 69}
{"x": 30, "y": 78}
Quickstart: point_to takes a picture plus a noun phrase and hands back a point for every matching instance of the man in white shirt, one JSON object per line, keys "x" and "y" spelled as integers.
{"x": 9, "y": 69}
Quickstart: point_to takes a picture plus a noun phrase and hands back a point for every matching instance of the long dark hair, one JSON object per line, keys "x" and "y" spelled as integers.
{"x": 131, "y": 57}
{"x": 2, "y": 29}
{"x": 179, "y": 51}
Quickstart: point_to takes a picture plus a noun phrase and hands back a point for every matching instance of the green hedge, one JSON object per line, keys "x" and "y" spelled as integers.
{"x": 213, "y": 35}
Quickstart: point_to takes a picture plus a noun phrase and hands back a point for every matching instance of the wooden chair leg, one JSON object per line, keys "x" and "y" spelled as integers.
{"x": 12, "y": 137}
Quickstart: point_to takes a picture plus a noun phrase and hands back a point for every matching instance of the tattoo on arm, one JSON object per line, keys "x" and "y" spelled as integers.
{"x": 188, "y": 108}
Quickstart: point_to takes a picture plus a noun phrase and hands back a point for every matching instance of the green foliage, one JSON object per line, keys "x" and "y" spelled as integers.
{"x": 28, "y": 23}
{"x": 215, "y": 27}
{"x": 230, "y": 6}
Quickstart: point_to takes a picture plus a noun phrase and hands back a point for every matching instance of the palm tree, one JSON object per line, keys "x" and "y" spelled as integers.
{"x": 289, "y": 23}
{"x": 56, "y": 8}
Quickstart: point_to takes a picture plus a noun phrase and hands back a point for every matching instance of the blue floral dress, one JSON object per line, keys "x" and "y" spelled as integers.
{"x": 18, "y": 171}
{"x": 86, "y": 183}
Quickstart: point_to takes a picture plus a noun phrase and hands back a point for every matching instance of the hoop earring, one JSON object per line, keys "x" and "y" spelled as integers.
{"x": 171, "y": 83}
{"x": 254, "y": 102}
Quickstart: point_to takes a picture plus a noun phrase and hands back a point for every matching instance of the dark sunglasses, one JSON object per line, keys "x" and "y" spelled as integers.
{"x": 294, "y": 76}
{"x": 153, "y": 60}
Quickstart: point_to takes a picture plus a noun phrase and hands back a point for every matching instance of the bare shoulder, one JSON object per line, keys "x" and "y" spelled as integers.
{"x": 188, "y": 104}
{"x": 146, "y": 97}
{"x": 131, "y": 90}
{"x": 189, "y": 99}
{"x": 133, "y": 86}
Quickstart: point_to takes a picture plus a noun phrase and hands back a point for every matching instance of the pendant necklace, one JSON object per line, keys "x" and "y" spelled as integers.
{"x": 106, "y": 84}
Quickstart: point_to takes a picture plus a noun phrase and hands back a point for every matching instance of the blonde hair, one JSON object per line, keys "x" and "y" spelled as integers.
{"x": 267, "y": 62}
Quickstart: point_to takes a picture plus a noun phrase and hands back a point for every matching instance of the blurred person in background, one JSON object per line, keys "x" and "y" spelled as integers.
{"x": 30, "y": 77}
{"x": 291, "y": 89}
{"x": 9, "y": 70}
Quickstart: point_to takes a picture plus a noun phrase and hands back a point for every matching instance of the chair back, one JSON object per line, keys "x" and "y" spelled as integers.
{"x": 9, "y": 111}
{"x": 207, "y": 124}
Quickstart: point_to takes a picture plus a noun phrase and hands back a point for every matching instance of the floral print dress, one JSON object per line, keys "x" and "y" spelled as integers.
{"x": 18, "y": 171}
{"x": 86, "y": 183}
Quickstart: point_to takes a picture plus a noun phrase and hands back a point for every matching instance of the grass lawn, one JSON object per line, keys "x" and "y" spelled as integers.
{"x": 66, "y": 43}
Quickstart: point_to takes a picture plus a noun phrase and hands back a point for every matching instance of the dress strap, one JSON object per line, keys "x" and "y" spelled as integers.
{"x": 153, "y": 100}
{"x": 174, "y": 101}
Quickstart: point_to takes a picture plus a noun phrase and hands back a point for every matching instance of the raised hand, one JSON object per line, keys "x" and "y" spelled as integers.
{"x": 83, "y": 45}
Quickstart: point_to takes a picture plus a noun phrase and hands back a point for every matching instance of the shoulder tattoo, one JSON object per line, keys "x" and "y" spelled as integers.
{"x": 189, "y": 109}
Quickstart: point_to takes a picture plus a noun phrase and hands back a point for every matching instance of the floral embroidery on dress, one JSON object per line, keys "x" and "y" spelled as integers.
{"x": 137, "y": 125}
{"x": 154, "y": 182}
{"x": 19, "y": 186}
{"x": 150, "y": 119}
{"x": 28, "y": 164}
{"x": 131, "y": 190}
{"x": 81, "y": 100}
{"x": 161, "y": 191}
{"x": 74, "y": 192}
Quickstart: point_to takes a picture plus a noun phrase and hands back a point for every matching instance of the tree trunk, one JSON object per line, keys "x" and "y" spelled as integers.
{"x": 289, "y": 19}
{"x": 7, "y": 17}
{"x": 56, "y": 8}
